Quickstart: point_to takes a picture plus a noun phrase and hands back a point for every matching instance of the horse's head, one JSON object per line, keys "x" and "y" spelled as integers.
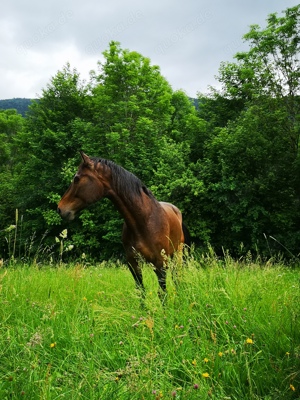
{"x": 86, "y": 188}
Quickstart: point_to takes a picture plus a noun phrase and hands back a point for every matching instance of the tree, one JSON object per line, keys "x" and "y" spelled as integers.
{"x": 131, "y": 108}
{"x": 11, "y": 125}
{"x": 250, "y": 163}
{"x": 44, "y": 146}
{"x": 270, "y": 69}
{"x": 249, "y": 184}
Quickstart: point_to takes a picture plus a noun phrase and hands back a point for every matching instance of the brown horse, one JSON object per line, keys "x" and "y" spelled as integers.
{"x": 152, "y": 229}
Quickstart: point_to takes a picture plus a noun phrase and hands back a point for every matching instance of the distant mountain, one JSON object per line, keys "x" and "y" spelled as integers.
{"x": 21, "y": 105}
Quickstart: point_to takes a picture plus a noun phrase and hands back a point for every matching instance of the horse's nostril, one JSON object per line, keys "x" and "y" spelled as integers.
{"x": 58, "y": 210}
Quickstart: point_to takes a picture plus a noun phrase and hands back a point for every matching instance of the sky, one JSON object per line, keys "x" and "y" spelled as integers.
{"x": 187, "y": 39}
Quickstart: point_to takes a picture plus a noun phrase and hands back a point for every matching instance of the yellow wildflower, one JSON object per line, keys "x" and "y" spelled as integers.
{"x": 292, "y": 388}
{"x": 249, "y": 341}
{"x": 64, "y": 234}
{"x": 52, "y": 345}
{"x": 206, "y": 360}
{"x": 220, "y": 354}
{"x": 194, "y": 362}
{"x": 205, "y": 375}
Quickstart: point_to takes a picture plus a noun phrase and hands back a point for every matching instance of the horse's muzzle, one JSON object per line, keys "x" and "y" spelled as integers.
{"x": 69, "y": 215}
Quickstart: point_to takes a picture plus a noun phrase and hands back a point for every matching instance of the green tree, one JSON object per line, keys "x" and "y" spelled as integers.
{"x": 250, "y": 164}
{"x": 270, "y": 68}
{"x": 249, "y": 183}
{"x": 44, "y": 146}
{"x": 131, "y": 107}
{"x": 11, "y": 125}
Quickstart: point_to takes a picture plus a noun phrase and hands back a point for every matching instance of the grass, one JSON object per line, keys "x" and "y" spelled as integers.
{"x": 228, "y": 331}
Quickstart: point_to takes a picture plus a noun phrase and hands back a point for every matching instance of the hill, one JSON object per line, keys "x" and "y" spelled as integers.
{"x": 19, "y": 104}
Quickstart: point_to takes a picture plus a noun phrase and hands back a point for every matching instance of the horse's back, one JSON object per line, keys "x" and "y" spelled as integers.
{"x": 170, "y": 209}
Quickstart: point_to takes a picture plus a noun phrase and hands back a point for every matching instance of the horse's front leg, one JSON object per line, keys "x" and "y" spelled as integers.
{"x": 136, "y": 272}
{"x": 161, "y": 274}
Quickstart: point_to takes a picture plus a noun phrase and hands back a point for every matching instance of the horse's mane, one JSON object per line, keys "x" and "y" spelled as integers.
{"x": 123, "y": 181}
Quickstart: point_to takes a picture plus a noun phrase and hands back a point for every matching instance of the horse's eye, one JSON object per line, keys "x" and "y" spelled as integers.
{"x": 76, "y": 179}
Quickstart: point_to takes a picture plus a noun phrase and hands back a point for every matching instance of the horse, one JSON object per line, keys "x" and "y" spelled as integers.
{"x": 152, "y": 229}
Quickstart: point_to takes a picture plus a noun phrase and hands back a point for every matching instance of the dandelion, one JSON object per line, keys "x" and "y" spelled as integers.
{"x": 220, "y": 354}
{"x": 52, "y": 345}
{"x": 205, "y": 375}
{"x": 206, "y": 360}
{"x": 194, "y": 362}
{"x": 292, "y": 388}
{"x": 249, "y": 341}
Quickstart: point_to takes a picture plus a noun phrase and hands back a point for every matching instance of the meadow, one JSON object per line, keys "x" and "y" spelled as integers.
{"x": 227, "y": 330}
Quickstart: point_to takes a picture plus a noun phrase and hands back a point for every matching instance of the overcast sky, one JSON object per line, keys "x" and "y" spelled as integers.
{"x": 186, "y": 39}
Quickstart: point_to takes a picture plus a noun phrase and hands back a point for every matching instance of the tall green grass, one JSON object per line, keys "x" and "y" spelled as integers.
{"x": 227, "y": 331}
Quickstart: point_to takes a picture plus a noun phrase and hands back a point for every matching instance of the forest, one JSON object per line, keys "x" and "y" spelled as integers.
{"x": 232, "y": 165}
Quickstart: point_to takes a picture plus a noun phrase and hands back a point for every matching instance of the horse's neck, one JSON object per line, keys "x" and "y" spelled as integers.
{"x": 135, "y": 213}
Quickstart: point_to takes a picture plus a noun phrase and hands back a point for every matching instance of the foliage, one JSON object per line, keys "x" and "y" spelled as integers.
{"x": 250, "y": 182}
{"x": 11, "y": 123}
{"x": 79, "y": 331}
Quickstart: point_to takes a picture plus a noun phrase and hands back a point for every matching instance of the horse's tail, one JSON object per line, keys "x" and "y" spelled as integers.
{"x": 187, "y": 236}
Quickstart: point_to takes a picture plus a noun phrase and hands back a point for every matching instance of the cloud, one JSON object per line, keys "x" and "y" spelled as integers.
{"x": 187, "y": 40}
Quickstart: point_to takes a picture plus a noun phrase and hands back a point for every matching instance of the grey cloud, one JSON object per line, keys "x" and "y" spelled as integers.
{"x": 188, "y": 40}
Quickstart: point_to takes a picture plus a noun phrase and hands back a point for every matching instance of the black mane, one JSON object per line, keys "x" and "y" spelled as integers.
{"x": 123, "y": 181}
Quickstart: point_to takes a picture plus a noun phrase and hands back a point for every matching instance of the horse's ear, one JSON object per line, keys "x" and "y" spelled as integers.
{"x": 86, "y": 160}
